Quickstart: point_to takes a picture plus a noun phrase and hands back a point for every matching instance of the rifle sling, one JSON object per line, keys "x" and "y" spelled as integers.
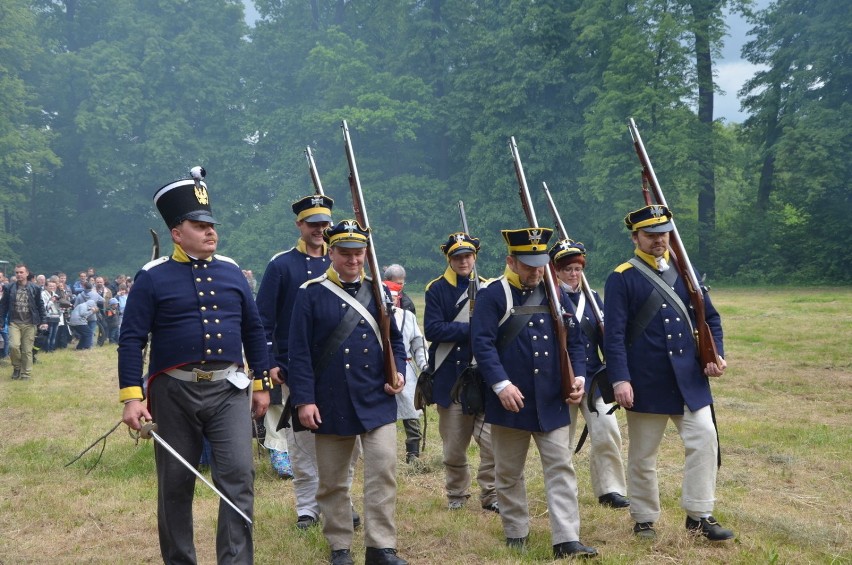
{"x": 357, "y": 310}
{"x": 655, "y": 300}
{"x": 444, "y": 348}
{"x": 519, "y": 316}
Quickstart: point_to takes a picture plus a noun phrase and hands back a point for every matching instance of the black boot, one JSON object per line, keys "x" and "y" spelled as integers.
{"x": 383, "y": 556}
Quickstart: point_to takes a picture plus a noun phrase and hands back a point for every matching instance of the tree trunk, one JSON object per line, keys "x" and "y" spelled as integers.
{"x": 702, "y": 11}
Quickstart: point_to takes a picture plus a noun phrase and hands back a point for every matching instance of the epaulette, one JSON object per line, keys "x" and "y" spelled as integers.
{"x": 320, "y": 278}
{"x": 623, "y": 267}
{"x": 433, "y": 281}
{"x": 280, "y": 253}
{"x": 151, "y": 264}
{"x": 490, "y": 281}
{"x": 226, "y": 259}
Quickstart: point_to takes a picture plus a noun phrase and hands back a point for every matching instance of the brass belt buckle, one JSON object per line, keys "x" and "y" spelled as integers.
{"x": 203, "y": 375}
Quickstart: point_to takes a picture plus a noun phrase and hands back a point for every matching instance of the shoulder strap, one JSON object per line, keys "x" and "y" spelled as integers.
{"x": 655, "y": 300}
{"x": 357, "y": 310}
{"x": 519, "y": 316}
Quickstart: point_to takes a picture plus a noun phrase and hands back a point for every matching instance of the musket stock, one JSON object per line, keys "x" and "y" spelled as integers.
{"x": 551, "y": 289}
{"x": 706, "y": 345}
{"x": 383, "y": 304}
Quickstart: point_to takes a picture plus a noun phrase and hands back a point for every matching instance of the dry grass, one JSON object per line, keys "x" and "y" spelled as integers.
{"x": 784, "y": 417}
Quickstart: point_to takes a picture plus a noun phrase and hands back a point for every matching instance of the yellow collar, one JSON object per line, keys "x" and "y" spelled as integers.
{"x": 180, "y": 256}
{"x": 334, "y": 277}
{"x": 303, "y": 247}
{"x": 451, "y": 276}
{"x": 513, "y": 278}
{"x": 650, "y": 259}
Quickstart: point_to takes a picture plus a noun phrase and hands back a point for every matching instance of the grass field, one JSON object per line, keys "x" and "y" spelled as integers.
{"x": 785, "y": 420}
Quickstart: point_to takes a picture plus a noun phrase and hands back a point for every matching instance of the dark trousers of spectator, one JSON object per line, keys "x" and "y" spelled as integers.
{"x": 103, "y": 332}
{"x": 52, "y": 331}
{"x": 84, "y": 335}
{"x": 5, "y": 352}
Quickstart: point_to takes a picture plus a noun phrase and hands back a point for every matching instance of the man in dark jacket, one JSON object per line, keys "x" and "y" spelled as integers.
{"x": 23, "y": 303}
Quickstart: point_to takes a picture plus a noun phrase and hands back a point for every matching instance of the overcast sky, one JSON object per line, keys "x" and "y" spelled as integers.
{"x": 731, "y": 70}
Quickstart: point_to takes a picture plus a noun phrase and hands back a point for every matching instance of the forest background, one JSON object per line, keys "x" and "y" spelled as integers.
{"x": 104, "y": 101}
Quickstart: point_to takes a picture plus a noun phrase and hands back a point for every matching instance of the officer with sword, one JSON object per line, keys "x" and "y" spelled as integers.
{"x": 199, "y": 311}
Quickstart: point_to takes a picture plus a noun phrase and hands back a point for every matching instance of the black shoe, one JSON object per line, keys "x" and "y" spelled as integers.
{"x": 644, "y": 530}
{"x": 16, "y": 374}
{"x": 709, "y": 528}
{"x": 356, "y": 520}
{"x": 614, "y": 500}
{"x": 304, "y": 522}
{"x": 517, "y": 543}
{"x": 341, "y": 557}
{"x": 411, "y": 457}
{"x": 573, "y": 549}
{"x": 383, "y": 556}
{"x": 493, "y": 507}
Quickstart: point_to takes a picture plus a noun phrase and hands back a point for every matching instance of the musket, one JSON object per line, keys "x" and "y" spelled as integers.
{"x": 149, "y": 430}
{"x": 473, "y": 285}
{"x": 312, "y": 167}
{"x": 552, "y": 291}
{"x": 707, "y": 352}
{"x": 584, "y": 283}
{"x": 384, "y": 305}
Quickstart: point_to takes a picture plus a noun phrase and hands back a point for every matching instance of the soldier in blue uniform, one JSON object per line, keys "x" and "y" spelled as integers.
{"x": 653, "y": 365}
{"x": 284, "y": 274}
{"x": 337, "y": 385}
{"x": 605, "y": 466}
{"x": 201, "y": 316}
{"x": 446, "y": 322}
{"x": 514, "y": 343}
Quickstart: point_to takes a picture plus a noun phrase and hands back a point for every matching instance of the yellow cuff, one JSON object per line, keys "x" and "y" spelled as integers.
{"x": 261, "y": 383}
{"x": 130, "y": 393}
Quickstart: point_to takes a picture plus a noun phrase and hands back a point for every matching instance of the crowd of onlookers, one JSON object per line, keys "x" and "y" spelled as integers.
{"x": 87, "y": 311}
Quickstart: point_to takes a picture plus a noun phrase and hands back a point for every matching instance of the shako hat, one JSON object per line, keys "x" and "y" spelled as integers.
{"x": 348, "y": 233}
{"x": 566, "y": 248}
{"x": 529, "y": 245}
{"x": 653, "y": 219}
{"x": 459, "y": 243}
{"x": 185, "y": 199}
{"x": 313, "y": 208}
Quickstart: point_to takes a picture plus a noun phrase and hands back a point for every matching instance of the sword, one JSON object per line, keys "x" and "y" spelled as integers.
{"x": 149, "y": 430}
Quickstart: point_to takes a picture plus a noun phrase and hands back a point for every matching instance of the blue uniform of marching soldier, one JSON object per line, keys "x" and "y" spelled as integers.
{"x": 337, "y": 385}
{"x": 656, "y": 375}
{"x": 199, "y": 311}
{"x": 515, "y": 345}
{"x": 447, "y": 326}
{"x": 284, "y": 274}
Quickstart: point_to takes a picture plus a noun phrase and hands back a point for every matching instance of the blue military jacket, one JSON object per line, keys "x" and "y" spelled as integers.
{"x": 530, "y": 361}
{"x": 588, "y": 324}
{"x": 349, "y": 393}
{"x": 661, "y": 364}
{"x": 284, "y": 274}
{"x": 196, "y": 311}
{"x": 446, "y": 296}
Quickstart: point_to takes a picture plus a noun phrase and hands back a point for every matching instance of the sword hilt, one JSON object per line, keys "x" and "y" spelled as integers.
{"x": 146, "y": 429}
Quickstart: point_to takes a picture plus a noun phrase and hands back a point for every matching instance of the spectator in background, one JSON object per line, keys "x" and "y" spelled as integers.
{"x": 79, "y": 284}
{"x": 65, "y": 299}
{"x": 396, "y": 274}
{"x": 82, "y": 317}
{"x": 106, "y": 295}
{"x": 54, "y": 313}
